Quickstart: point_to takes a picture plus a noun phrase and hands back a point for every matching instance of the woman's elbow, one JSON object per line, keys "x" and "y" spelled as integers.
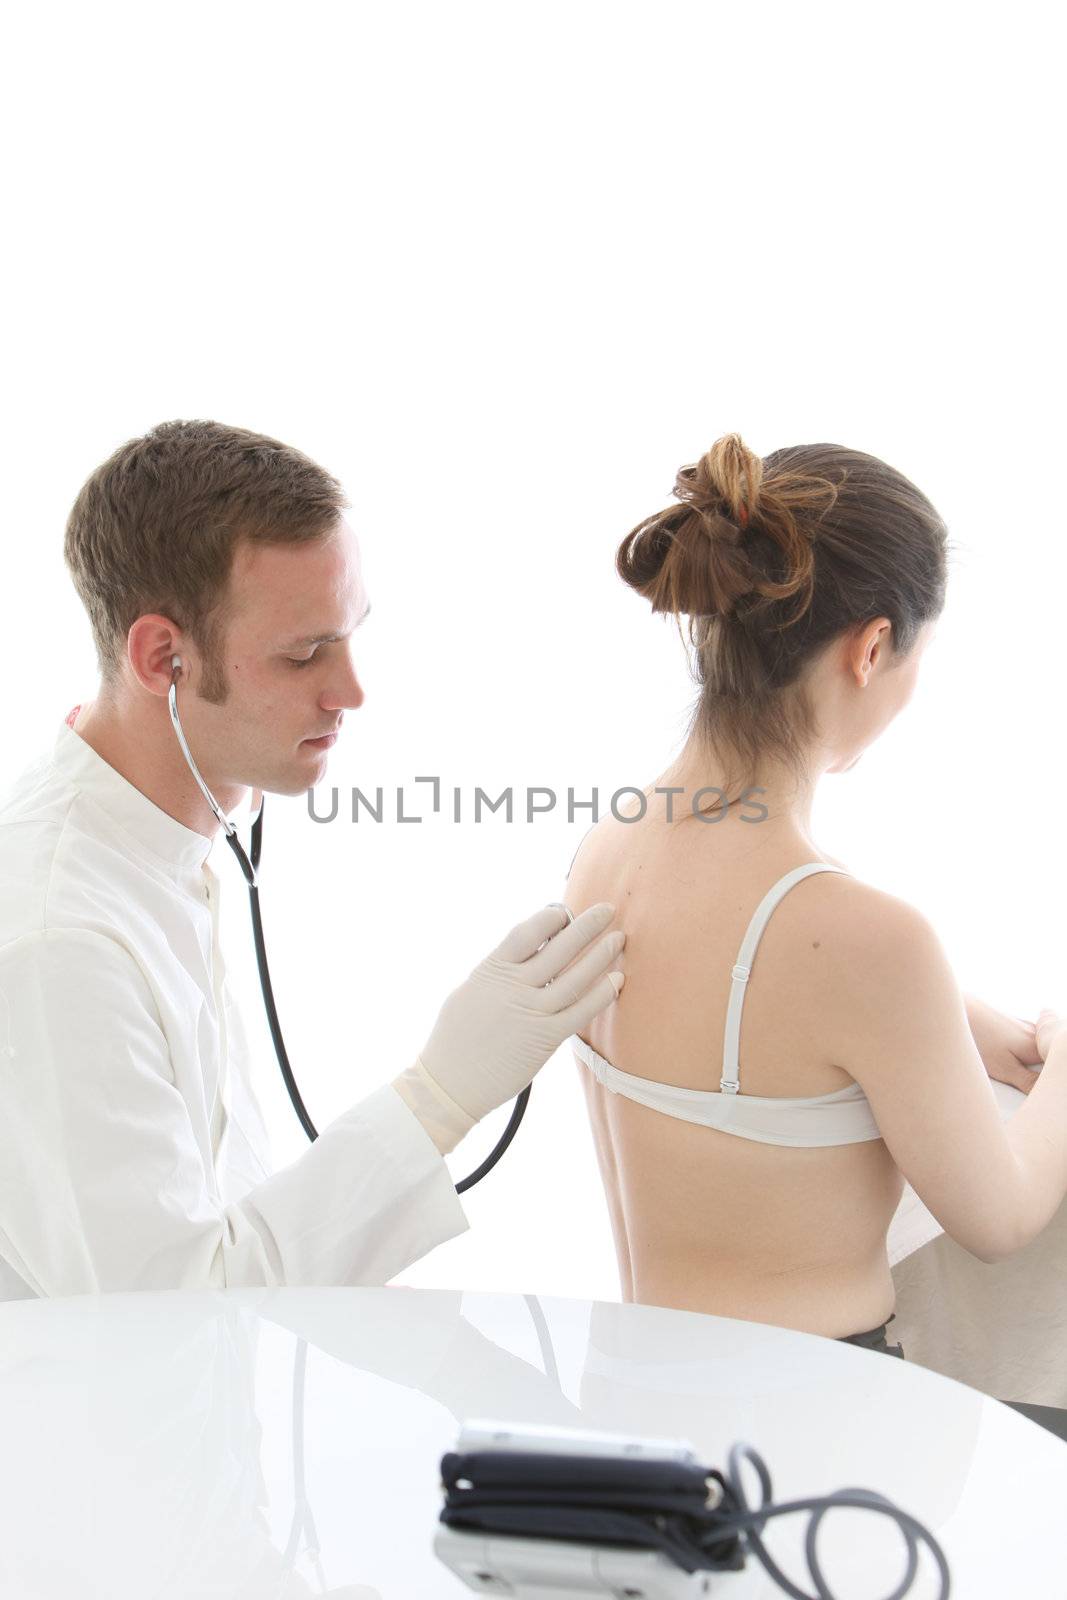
{"x": 990, "y": 1241}
{"x": 990, "y": 1257}
{"x": 998, "y": 1246}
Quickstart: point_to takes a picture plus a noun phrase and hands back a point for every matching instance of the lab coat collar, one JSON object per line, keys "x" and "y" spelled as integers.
{"x": 140, "y": 818}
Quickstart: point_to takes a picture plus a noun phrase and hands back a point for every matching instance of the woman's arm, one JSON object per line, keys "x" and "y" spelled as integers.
{"x": 1005, "y": 1044}
{"x": 900, "y": 1027}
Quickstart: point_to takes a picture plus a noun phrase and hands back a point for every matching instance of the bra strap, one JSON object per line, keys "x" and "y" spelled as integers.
{"x": 729, "y": 1083}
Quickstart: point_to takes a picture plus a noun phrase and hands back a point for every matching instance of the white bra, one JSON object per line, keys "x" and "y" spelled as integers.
{"x": 842, "y": 1117}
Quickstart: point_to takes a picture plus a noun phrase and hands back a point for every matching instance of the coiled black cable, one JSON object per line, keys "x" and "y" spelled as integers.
{"x": 751, "y": 1522}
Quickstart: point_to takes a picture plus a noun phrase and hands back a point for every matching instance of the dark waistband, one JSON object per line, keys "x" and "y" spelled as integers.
{"x": 874, "y": 1338}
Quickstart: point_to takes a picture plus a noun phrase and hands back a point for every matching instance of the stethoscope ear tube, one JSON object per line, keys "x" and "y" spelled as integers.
{"x": 266, "y": 986}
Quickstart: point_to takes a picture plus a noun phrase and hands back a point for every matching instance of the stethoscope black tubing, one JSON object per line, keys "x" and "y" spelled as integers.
{"x": 249, "y": 871}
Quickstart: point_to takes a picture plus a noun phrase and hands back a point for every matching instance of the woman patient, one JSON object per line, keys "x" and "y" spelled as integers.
{"x": 790, "y": 1044}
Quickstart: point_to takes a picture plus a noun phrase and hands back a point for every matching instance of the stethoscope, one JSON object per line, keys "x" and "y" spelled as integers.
{"x": 249, "y": 868}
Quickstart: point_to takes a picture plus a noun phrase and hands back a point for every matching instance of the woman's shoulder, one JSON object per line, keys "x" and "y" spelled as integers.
{"x": 602, "y": 844}
{"x": 865, "y": 905}
{"x": 866, "y": 938}
{"x": 865, "y": 916}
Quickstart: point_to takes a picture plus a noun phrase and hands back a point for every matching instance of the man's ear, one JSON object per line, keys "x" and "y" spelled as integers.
{"x": 153, "y": 645}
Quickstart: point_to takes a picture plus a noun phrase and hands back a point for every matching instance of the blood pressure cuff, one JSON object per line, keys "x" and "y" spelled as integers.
{"x": 653, "y": 1505}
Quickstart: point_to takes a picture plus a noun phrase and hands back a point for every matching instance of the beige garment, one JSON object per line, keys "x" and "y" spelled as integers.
{"x": 1000, "y": 1328}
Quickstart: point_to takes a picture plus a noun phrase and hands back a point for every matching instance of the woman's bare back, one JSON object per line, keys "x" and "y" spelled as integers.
{"x": 702, "y": 1219}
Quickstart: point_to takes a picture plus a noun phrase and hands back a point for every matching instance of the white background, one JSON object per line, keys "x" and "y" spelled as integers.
{"x": 503, "y": 268}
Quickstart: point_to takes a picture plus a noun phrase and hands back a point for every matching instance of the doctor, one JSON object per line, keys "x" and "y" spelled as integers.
{"x": 132, "y": 1151}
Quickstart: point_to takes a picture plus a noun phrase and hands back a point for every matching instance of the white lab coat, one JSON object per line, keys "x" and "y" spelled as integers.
{"x": 132, "y": 1151}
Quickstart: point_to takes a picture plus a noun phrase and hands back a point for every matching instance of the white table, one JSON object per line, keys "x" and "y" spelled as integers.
{"x": 148, "y": 1450}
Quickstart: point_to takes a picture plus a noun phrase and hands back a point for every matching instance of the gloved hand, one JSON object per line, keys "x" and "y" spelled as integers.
{"x": 499, "y": 1028}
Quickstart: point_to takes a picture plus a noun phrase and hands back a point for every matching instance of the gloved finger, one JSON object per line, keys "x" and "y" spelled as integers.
{"x": 526, "y": 936}
{"x": 571, "y": 985}
{"x": 565, "y": 946}
{"x": 592, "y": 1003}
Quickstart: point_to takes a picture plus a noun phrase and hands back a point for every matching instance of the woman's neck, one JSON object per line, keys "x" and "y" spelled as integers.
{"x": 699, "y": 772}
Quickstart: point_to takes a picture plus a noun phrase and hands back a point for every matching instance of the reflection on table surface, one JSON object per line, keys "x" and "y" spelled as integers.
{"x": 285, "y": 1442}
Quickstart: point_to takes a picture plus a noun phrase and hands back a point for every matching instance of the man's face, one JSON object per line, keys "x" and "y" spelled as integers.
{"x": 286, "y": 662}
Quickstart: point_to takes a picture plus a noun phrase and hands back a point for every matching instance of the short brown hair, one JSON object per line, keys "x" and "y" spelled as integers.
{"x": 770, "y": 560}
{"x": 155, "y": 528}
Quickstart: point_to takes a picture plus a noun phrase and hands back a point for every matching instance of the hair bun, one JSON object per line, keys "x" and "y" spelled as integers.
{"x": 724, "y": 483}
{"x": 691, "y": 559}
{"x": 688, "y": 562}
{"x": 718, "y": 527}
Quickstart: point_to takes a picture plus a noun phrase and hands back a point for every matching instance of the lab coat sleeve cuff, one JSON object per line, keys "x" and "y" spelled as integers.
{"x": 445, "y": 1121}
{"x": 368, "y": 1198}
{"x": 440, "y": 1215}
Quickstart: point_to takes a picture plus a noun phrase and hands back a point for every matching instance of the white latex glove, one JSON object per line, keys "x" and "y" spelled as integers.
{"x": 499, "y": 1028}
